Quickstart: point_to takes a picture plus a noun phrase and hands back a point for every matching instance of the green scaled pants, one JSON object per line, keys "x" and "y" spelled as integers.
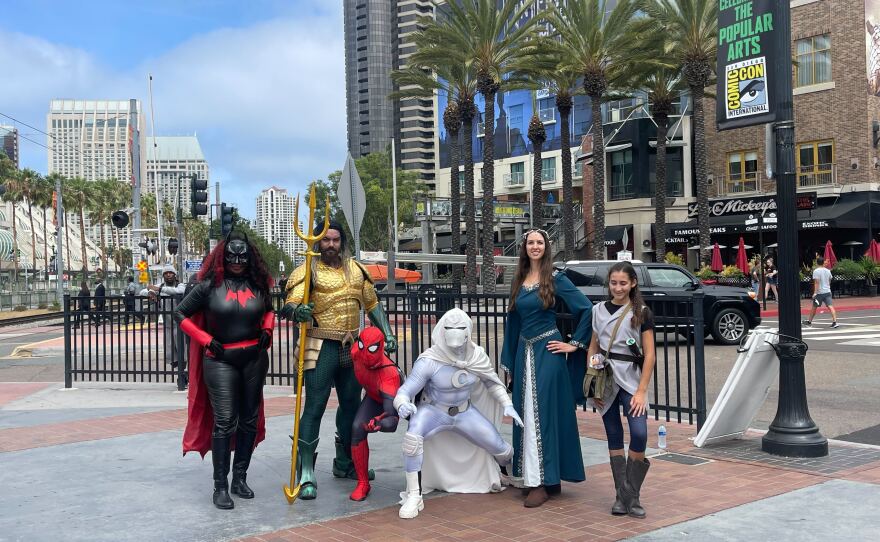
{"x": 348, "y": 390}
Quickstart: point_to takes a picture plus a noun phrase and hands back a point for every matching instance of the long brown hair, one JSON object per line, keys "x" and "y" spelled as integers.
{"x": 635, "y": 296}
{"x": 546, "y": 290}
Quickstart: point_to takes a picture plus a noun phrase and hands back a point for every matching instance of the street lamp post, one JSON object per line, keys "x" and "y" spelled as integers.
{"x": 793, "y": 432}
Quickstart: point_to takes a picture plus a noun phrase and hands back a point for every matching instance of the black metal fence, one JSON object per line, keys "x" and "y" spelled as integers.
{"x": 123, "y": 342}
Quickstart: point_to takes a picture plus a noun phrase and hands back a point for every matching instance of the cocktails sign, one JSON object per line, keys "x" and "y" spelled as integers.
{"x": 746, "y": 51}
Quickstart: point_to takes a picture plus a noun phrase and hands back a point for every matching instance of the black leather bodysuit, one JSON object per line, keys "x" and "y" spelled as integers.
{"x": 233, "y": 312}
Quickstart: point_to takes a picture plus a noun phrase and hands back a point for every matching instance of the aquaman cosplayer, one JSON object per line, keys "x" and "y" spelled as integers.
{"x": 339, "y": 288}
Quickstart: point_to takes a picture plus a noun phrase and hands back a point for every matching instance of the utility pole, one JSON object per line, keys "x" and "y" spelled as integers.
{"x": 793, "y": 432}
{"x": 136, "y": 180}
{"x": 59, "y": 240}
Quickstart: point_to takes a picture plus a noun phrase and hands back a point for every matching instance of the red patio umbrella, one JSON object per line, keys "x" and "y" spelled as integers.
{"x": 873, "y": 250}
{"x": 829, "y": 254}
{"x": 742, "y": 260}
{"x": 717, "y": 264}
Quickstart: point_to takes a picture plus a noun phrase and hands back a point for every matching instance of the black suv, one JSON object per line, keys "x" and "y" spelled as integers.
{"x": 729, "y": 312}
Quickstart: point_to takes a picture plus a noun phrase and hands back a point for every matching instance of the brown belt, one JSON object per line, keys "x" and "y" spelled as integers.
{"x": 343, "y": 336}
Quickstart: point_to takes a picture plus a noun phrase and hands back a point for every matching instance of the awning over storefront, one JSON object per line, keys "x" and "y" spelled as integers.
{"x": 842, "y": 214}
{"x": 614, "y": 234}
{"x": 6, "y": 245}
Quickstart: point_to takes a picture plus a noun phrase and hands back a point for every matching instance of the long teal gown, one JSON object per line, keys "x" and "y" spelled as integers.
{"x": 546, "y": 385}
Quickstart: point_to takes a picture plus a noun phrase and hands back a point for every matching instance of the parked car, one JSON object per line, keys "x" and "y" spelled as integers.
{"x": 729, "y": 312}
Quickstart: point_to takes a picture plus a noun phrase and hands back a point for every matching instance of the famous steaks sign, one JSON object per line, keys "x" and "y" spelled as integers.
{"x": 757, "y": 205}
{"x": 746, "y": 53}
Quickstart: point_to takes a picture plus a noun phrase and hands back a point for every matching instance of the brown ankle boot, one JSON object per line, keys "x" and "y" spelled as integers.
{"x": 537, "y": 497}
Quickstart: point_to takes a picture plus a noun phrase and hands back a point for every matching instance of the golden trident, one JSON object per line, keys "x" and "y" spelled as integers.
{"x": 310, "y": 240}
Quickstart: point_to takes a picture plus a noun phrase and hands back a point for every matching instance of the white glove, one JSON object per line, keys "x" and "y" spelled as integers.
{"x": 406, "y": 410}
{"x": 510, "y": 411}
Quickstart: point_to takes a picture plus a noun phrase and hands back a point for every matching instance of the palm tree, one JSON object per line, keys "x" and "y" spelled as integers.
{"x": 103, "y": 205}
{"x": 434, "y": 67}
{"x": 592, "y": 42}
{"x": 537, "y": 136}
{"x": 43, "y": 200}
{"x": 30, "y": 180}
{"x": 14, "y": 194}
{"x": 496, "y": 38}
{"x": 80, "y": 197}
{"x": 691, "y": 26}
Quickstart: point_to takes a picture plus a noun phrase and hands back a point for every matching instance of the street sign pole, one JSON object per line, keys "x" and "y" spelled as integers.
{"x": 793, "y": 432}
{"x": 353, "y": 200}
{"x": 59, "y": 243}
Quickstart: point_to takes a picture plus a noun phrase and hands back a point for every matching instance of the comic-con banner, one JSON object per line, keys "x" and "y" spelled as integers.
{"x": 746, "y": 53}
{"x": 872, "y": 45}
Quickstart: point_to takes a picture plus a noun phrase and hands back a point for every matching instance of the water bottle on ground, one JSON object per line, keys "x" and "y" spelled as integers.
{"x": 661, "y": 437}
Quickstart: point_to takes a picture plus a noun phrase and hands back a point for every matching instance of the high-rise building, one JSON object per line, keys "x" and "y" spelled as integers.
{"x": 378, "y": 40}
{"x": 171, "y": 162}
{"x": 96, "y": 139}
{"x": 275, "y": 219}
{"x": 9, "y": 143}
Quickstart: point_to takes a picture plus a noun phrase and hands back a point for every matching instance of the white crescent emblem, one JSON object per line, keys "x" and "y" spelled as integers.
{"x": 460, "y": 378}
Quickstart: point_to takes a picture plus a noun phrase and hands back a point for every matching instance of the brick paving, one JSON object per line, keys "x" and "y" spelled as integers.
{"x": 729, "y": 475}
{"x": 13, "y": 391}
{"x": 25, "y": 438}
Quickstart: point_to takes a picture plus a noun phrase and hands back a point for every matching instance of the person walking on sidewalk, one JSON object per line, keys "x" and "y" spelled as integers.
{"x": 771, "y": 274}
{"x": 83, "y": 305}
{"x": 623, "y": 340}
{"x": 230, "y": 319}
{"x": 543, "y": 366}
{"x": 822, "y": 293}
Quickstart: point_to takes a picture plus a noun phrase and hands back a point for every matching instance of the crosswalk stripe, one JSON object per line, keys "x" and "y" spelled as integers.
{"x": 807, "y": 332}
{"x": 847, "y": 337}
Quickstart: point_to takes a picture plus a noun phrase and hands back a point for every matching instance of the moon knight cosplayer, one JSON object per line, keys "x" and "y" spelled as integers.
{"x": 457, "y": 420}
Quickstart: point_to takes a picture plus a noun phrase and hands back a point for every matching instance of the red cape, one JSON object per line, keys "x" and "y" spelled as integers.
{"x": 200, "y": 420}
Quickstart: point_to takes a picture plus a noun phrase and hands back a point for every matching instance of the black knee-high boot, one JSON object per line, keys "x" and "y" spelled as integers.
{"x": 220, "y": 458}
{"x": 244, "y": 448}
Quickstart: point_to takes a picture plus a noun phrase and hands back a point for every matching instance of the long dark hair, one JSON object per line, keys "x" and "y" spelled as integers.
{"x": 546, "y": 290}
{"x": 213, "y": 268}
{"x": 635, "y": 296}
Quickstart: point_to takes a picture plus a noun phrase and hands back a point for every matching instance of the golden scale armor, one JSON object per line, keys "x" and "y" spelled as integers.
{"x": 338, "y": 295}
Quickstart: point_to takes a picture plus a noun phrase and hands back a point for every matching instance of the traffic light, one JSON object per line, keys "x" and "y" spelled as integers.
{"x": 226, "y": 219}
{"x": 198, "y": 196}
{"x": 119, "y": 219}
{"x": 173, "y": 245}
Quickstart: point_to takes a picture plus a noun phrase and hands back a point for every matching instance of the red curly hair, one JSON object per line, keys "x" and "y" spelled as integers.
{"x": 214, "y": 265}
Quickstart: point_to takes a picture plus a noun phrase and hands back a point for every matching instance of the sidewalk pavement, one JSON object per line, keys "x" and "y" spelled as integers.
{"x": 103, "y": 462}
{"x": 841, "y": 304}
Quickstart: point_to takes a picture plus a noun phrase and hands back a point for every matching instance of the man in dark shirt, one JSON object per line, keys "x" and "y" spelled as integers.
{"x": 100, "y": 302}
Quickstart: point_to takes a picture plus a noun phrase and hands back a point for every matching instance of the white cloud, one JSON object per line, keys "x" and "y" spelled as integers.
{"x": 267, "y": 101}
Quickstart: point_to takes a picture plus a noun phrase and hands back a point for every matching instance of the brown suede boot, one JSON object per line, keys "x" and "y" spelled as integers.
{"x": 537, "y": 497}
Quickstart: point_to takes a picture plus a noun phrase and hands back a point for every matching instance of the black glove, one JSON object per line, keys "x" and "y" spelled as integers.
{"x": 286, "y": 311}
{"x": 216, "y": 348}
{"x": 265, "y": 340}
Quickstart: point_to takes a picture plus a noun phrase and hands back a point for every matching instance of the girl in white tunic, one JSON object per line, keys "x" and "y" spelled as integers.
{"x": 630, "y": 354}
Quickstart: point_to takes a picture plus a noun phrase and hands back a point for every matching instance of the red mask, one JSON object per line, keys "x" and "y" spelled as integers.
{"x": 369, "y": 350}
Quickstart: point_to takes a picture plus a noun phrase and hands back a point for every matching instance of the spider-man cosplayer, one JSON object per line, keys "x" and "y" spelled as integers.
{"x": 230, "y": 319}
{"x": 380, "y": 378}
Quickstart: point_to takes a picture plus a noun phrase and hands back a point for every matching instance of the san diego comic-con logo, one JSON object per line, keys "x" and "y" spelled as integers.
{"x": 746, "y": 88}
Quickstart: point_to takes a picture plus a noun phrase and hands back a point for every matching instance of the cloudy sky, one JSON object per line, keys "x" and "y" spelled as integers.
{"x": 261, "y": 82}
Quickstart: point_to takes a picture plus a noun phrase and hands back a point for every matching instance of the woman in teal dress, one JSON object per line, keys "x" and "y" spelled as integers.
{"x": 547, "y": 449}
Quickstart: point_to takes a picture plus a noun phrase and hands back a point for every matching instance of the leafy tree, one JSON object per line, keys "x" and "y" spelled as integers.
{"x": 692, "y": 29}
{"x": 375, "y": 173}
{"x": 592, "y": 41}
{"x": 271, "y": 253}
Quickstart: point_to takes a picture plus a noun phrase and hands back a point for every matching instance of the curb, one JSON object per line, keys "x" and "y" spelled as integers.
{"x": 806, "y": 311}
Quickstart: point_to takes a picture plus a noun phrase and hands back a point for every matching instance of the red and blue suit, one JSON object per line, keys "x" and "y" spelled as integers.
{"x": 380, "y": 378}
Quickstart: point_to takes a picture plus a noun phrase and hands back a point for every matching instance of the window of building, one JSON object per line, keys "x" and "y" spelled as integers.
{"x": 813, "y": 60}
{"x": 742, "y": 172}
{"x": 815, "y": 163}
{"x": 517, "y": 174}
{"x": 548, "y": 170}
{"x": 621, "y": 176}
{"x": 674, "y": 173}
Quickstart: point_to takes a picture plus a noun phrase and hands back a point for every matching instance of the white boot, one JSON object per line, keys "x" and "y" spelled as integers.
{"x": 412, "y": 502}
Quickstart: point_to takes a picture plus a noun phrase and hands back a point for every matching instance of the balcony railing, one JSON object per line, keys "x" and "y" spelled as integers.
{"x": 547, "y": 115}
{"x": 743, "y": 183}
{"x": 517, "y": 178}
{"x": 817, "y": 175}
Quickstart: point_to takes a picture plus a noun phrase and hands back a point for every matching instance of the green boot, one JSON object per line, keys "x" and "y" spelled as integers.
{"x": 343, "y": 466}
{"x": 305, "y": 467}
